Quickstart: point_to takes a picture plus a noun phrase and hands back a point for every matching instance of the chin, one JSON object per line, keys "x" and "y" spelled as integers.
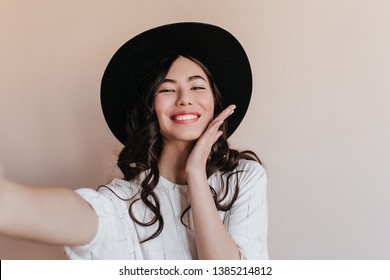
{"x": 183, "y": 137}
{"x": 188, "y": 137}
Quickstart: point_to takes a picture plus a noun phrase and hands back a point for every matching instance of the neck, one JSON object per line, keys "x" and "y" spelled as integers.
{"x": 173, "y": 161}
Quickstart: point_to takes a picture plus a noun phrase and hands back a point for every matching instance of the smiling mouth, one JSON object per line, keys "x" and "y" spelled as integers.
{"x": 185, "y": 117}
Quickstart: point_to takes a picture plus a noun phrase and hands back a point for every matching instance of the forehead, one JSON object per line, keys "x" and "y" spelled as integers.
{"x": 185, "y": 67}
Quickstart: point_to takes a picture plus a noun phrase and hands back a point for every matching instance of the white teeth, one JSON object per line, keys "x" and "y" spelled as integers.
{"x": 185, "y": 117}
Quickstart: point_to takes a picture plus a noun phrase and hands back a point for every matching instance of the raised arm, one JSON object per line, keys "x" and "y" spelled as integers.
{"x": 212, "y": 239}
{"x": 48, "y": 214}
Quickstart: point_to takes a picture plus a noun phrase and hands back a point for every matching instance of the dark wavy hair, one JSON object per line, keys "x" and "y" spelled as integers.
{"x": 144, "y": 144}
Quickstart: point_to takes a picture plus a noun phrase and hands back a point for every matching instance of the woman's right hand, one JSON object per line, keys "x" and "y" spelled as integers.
{"x": 47, "y": 214}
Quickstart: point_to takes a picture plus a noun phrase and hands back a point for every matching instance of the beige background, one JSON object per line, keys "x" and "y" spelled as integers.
{"x": 319, "y": 118}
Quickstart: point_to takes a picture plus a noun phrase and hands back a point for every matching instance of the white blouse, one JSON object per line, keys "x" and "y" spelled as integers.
{"x": 118, "y": 236}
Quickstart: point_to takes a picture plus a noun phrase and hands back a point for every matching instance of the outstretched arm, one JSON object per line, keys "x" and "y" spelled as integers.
{"x": 212, "y": 239}
{"x": 52, "y": 215}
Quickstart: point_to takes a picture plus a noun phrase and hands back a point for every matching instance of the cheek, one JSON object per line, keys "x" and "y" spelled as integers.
{"x": 209, "y": 105}
{"x": 159, "y": 107}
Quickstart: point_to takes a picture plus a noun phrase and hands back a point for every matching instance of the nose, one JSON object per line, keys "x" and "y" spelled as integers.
{"x": 184, "y": 98}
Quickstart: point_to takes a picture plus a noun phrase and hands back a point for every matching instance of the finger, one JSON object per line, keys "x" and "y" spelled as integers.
{"x": 226, "y": 113}
{"x": 223, "y": 115}
{"x": 211, "y": 132}
{"x": 213, "y": 128}
{"x": 207, "y": 142}
{"x": 216, "y": 136}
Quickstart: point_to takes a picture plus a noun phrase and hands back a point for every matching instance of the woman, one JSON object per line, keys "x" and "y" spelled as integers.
{"x": 185, "y": 194}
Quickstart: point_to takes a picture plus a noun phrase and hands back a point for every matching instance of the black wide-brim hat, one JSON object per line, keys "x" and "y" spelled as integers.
{"x": 215, "y": 47}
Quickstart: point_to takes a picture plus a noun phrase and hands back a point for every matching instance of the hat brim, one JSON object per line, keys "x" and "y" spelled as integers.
{"x": 215, "y": 47}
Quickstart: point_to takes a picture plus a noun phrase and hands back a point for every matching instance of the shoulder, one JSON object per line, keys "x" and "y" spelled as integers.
{"x": 252, "y": 183}
{"x": 250, "y": 170}
{"x": 111, "y": 199}
{"x": 250, "y": 165}
{"x": 248, "y": 175}
{"x": 244, "y": 170}
{"x": 120, "y": 189}
{"x": 117, "y": 189}
{"x": 252, "y": 180}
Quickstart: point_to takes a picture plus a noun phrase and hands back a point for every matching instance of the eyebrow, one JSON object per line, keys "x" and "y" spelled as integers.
{"x": 189, "y": 79}
{"x": 196, "y": 77}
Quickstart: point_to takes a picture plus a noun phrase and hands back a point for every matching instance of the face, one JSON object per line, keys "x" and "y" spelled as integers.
{"x": 184, "y": 102}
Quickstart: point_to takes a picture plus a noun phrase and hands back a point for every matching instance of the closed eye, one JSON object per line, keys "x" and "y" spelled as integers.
{"x": 198, "y": 88}
{"x": 166, "y": 90}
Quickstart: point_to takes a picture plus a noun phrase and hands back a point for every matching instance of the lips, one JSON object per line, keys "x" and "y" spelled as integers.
{"x": 185, "y": 117}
